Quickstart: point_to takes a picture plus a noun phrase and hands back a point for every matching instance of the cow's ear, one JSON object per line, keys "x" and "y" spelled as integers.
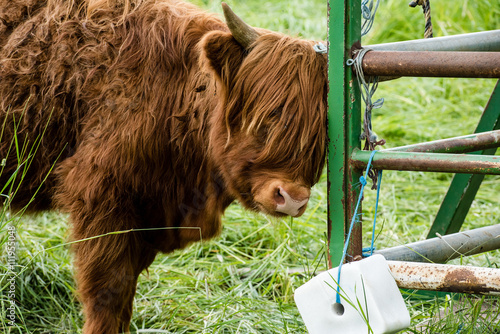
{"x": 223, "y": 55}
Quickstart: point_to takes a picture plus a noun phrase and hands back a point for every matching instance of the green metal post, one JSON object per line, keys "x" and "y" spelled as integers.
{"x": 463, "y": 188}
{"x": 344, "y": 126}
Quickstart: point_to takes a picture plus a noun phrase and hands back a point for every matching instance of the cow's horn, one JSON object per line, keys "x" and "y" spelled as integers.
{"x": 242, "y": 32}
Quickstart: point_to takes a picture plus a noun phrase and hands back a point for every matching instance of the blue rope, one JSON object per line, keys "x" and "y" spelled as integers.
{"x": 372, "y": 247}
{"x": 363, "y": 182}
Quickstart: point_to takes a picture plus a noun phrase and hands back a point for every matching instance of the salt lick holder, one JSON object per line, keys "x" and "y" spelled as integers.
{"x": 370, "y": 299}
{"x": 364, "y": 299}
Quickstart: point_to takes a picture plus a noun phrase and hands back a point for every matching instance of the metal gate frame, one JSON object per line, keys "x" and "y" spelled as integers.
{"x": 346, "y": 160}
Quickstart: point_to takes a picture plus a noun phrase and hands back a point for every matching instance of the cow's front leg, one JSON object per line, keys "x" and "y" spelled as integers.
{"x": 144, "y": 257}
{"x": 107, "y": 271}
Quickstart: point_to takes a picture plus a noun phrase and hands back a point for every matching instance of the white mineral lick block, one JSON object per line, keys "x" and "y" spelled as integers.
{"x": 368, "y": 285}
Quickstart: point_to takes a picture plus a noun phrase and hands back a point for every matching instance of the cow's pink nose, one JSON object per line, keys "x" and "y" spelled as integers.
{"x": 292, "y": 202}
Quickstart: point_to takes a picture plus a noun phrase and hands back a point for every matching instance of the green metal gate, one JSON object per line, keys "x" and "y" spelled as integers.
{"x": 471, "y": 157}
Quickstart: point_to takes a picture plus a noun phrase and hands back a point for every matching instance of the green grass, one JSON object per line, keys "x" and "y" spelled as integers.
{"x": 241, "y": 282}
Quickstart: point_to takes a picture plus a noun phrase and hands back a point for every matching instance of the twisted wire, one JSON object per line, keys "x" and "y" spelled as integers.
{"x": 426, "y": 8}
{"x": 368, "y": 12}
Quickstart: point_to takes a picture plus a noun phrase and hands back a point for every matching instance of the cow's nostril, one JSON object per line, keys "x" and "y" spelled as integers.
{"x": 288, "y": 204}
{"x": 278, "y": 197}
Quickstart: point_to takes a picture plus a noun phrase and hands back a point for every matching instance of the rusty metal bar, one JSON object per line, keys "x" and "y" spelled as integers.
{"x": 463, "y": 144}
{"x": 429, "y": 162}
{"x": 448, "y": 247}
{"x": 432, "y": 64}
{"x": 477, "y": 41}
{"x": 448, "y": 278}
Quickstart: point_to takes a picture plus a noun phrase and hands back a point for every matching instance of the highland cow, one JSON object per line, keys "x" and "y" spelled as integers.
{"x": 154, "y": 116}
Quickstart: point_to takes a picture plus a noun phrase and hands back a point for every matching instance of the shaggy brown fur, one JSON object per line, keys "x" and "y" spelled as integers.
{"x": 157, "y": 118}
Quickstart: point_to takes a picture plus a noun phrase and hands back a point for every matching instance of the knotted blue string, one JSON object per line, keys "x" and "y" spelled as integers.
{"x": 363, "y": 182}
{"x": 368, "y": 251}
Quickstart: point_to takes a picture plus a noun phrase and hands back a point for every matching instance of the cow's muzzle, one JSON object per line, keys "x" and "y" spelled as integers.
{"x": 283, "y": 198}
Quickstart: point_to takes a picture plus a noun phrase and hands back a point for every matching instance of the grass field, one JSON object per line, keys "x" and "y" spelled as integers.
{"x": 241, "y": 282}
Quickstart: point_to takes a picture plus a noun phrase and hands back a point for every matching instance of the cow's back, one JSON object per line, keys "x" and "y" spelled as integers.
{"x": 67, "y": 75}
{"x": 13, "y": 13}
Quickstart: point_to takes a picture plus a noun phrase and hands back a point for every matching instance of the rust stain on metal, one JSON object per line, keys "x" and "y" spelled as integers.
{"x": 446, "y": 278}
{"x": 351, "y": 93}
{"x": 355, "y": 48}
{"x": 463, "y": 280}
